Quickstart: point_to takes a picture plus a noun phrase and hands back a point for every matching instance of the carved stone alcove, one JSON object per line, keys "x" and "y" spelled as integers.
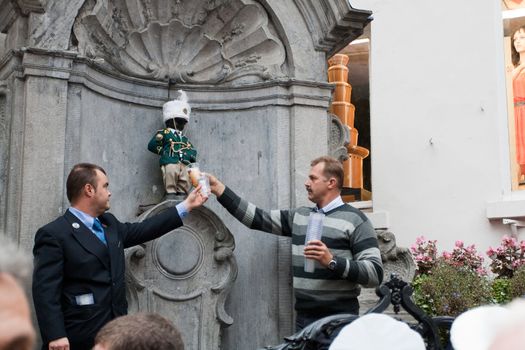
{"x": 186, "y": 276}
{"x": 199, "y": 42}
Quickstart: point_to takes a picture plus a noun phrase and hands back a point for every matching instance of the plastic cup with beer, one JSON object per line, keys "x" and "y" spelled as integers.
{"x": 197, "y": 177}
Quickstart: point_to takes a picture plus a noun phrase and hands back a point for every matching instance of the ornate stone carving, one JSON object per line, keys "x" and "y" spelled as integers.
{"x": 10, "y": 10}
{"x": 339, "y": 138}
{"x": 186, "y": 276}
{"x": 333, "y": 23}
{"x": 395, "y": 259}
{"x": 199, "y": 41}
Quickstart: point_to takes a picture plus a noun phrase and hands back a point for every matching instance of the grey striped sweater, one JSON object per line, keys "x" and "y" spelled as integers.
{"x": 348, "y": 234}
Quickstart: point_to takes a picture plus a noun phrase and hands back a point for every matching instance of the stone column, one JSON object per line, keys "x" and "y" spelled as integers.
{"x": 43, "y": 142}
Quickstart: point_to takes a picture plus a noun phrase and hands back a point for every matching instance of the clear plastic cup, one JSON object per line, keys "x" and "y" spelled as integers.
{"x": 205, "y": 185}
{"x": 313, "y": 231}
{"x": 198, "y": 177}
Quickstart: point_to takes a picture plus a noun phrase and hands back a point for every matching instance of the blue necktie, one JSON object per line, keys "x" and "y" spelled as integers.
{"x": 99, "y": 230}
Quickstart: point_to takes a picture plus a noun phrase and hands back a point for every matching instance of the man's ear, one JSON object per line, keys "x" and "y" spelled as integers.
{"x": 332, "y": 183}
{"x": 89, "y": 190}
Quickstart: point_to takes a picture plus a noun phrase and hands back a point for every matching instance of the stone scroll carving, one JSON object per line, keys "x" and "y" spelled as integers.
{"x": 395, "y": 260}
{"x": 186, "y": 276}
{"x": 198, "y": 41}
{"x": 338, "y": 139}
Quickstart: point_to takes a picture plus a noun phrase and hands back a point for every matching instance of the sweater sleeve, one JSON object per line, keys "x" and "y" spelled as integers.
{"x": 278, "y": 222}
{"x": 366, "y": 267}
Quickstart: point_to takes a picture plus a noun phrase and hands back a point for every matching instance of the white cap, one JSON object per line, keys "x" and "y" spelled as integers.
{"x": 179, "y": 108}
{"x": 485, "y": 327}
{"x": 477, "y": 327}
{"x": 377, "y": 332}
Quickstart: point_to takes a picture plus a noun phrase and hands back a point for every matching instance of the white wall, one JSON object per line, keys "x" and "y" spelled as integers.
{"x": 438, "y": 119}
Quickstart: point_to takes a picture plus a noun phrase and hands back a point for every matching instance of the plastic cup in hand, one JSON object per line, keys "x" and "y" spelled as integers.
{"x": 194, "y": 173}
{"x": 205, "y": 185}
{"x": 313, "y": 231}
{"x": 199, "y": 178}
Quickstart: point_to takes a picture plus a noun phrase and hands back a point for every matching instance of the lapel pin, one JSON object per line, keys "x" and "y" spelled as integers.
{"x": 75, "y": 225}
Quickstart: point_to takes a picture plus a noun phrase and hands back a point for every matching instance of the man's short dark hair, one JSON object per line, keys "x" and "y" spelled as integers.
{"x": 141, "y": 331}
{"x": 332, "y": 168}
{"x": 81, "y": 175}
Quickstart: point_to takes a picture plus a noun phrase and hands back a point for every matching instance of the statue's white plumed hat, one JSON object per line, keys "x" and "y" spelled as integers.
{"x": 179, "y": 108}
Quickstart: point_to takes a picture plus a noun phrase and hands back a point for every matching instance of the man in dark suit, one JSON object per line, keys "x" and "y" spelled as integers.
{"x": 78, "y": 279}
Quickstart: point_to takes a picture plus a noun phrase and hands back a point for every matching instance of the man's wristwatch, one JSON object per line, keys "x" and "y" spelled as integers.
{"x": 332, "y": 264}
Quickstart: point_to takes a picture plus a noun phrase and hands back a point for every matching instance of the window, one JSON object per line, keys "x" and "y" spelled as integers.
{"x": 513, "y": 14}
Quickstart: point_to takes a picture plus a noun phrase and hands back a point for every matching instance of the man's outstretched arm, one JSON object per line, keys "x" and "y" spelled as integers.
{"x": 276, "y": 221}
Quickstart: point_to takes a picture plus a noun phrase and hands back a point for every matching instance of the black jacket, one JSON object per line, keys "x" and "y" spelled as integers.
{"x": 71, "y": 261}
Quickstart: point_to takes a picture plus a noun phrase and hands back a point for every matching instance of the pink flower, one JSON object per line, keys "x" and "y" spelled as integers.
{"x": 459, "y": 244}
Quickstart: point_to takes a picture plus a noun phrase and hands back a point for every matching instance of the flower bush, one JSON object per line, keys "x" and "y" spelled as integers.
{"x": 425, "y": 254}
{"x": 465, "y": 257}
{"x": 450, "y": 291}
{"x": 508, "y": 257}
{"x": 517, "y": 284}
{"x": 450, "y": 283}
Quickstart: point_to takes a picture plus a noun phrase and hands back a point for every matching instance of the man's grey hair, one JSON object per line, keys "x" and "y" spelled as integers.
{"x": 15, "y": 262}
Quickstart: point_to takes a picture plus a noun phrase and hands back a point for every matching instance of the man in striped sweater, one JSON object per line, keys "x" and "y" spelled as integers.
{"x": 347, "y": 255}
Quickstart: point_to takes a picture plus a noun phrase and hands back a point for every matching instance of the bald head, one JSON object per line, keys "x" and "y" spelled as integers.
{"x": 16, "y": 329}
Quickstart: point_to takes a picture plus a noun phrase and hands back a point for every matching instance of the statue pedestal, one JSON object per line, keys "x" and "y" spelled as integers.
{"x": 185, "y": 275}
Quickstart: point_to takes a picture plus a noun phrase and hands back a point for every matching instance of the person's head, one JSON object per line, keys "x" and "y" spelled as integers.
{"x": 325, "y": 180}
{"x": 16, "y": 328}
{"x": 517, "y": 45}
{"x": 87, "y": 187}
{"x": 142, "y": 331}
{"x": 176, "y": 123}
{"x": 491, "y": 327}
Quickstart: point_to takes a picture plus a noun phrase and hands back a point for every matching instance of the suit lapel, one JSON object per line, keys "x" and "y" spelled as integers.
{"x": 87, "y": 239}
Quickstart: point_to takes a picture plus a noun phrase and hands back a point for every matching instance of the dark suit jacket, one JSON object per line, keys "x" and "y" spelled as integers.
{"x": 71, "y": 261}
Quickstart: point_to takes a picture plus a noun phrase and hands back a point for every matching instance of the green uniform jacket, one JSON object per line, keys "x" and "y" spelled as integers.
{"x": 172, "y": 147}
